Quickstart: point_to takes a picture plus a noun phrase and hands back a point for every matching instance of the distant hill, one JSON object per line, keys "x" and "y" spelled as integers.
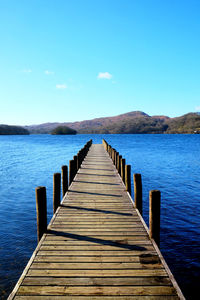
{"x": 83, "y": 125}
{"x": 132, "y": 122}
{"x": 9, "y": 130}
{"x": 189, "y": 123}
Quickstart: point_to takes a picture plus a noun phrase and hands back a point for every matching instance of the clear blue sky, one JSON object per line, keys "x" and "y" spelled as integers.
{"x": 64, "y": 60}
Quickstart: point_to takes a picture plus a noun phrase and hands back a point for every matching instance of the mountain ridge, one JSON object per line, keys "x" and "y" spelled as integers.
{"x": 131, "y": 122}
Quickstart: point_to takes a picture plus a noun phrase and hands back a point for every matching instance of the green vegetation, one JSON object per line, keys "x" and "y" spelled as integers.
{"x": 12, "y": 130}
{"x": 63, "y": 130}
{"x": 189, "y": 123}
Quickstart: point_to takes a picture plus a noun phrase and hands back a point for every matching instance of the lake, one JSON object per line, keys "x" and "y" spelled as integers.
{"x": 170, "y": 163}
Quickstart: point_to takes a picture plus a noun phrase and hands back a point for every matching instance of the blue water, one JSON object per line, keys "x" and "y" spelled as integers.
{"x": 170, "y": 163}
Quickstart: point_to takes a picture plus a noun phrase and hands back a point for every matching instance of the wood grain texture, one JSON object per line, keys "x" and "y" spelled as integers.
{"x": 104, "y": 297}
{"x": 96, "y": 246}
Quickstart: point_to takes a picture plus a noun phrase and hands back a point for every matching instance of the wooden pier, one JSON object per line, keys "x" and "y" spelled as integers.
{"x": 97, "y": 245}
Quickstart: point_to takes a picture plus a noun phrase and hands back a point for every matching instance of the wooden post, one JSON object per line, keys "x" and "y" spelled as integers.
{"x": 123, "y": 162}
{"x": 128, "y": 178}
{"x": 119, "y": 164}
{"x": 41, "y": 209}
{"x": 64, "y": 180}
{"x": 80, "y": 157}
{"x": 78, "y": 160}
{"x": 116, "y": 159}
{"x": 138, "y": 191}
{"x": 154, "y": 216}
{"x": 113, "y": 156}
{"x": 71, "y": 171}
{"x": 75, "y": 164}
{"x": 108, "y": 149}
{"x": 56, "y": 191}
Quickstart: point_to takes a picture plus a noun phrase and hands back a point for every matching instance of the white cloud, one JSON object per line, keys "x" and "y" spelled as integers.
{"x": 104, "y": 75}
{"x": 197, "y": 108}
{"x": 27, "y": 71}
{"x": 61, "y": 86}
{"x": 47, "y": 72}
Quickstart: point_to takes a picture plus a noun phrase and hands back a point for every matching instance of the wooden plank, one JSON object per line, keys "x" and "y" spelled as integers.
{"x": 99, "y": 224}
{"x": 98, "y": 210}
{"x": 94, "y": 266}
{"x": 99, "y": 233}
{"x": 93, "y": 258}
{"x": 119, "y": 237}
{"x": 97, "y": 273}
{"x": 94, "y": 252}
{"x": 104, "y": 297}
{"x": 119, "y": 281}
{"x": 78, "y": 242}
{"x": 113, "y": 248}
{"x": 97, "y": 218}
{"x": 93, "y": 290}
{"x": 99, "y": 229}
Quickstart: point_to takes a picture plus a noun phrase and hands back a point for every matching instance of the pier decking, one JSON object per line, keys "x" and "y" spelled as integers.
{"x": 97, "y": 245}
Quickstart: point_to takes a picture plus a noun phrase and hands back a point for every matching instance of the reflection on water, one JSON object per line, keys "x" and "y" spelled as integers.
{"x": 167, "y": 162}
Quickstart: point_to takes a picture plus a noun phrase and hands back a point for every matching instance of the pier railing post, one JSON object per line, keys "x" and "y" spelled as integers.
{"x": 41, "y": 208}
{"x": 116, "y": 161}
{"x": 137, "y": 180}
{"x": 56, "y": 191}
{"x": 78, "y": 160}
{"x": 128, "y": 178}
{"x": 113, "y": 156}
{"x": 119, "y": 164}
{"x": 123, "y": 162}
{"x": 71, "y": 171}
{"x": 64, "y": 180}
{"x": 110, "y": 150}
{"x": 105, "y": 144}
{"x": 154, "y": 216}
{"x": 75, "y": 164}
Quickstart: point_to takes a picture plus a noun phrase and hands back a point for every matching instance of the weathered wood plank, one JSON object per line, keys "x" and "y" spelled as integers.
{"x": 94, "y": 266}
{"x": 113, "y": 248}
{"x": 93, "y": 258}
{"x": 78, "y": 297}
{"x": 97, "y": 273}
{"x": 94, "y": 252}
{"x": 65, "y": 231}
{"x": 96, "y": 290}
{"x": 120, "y": 238}
{"x": 88, "y": 243}
{"x": 119, "y": 281}
{"x": 99, "y": 229}
{"x": 96, "y": 224}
